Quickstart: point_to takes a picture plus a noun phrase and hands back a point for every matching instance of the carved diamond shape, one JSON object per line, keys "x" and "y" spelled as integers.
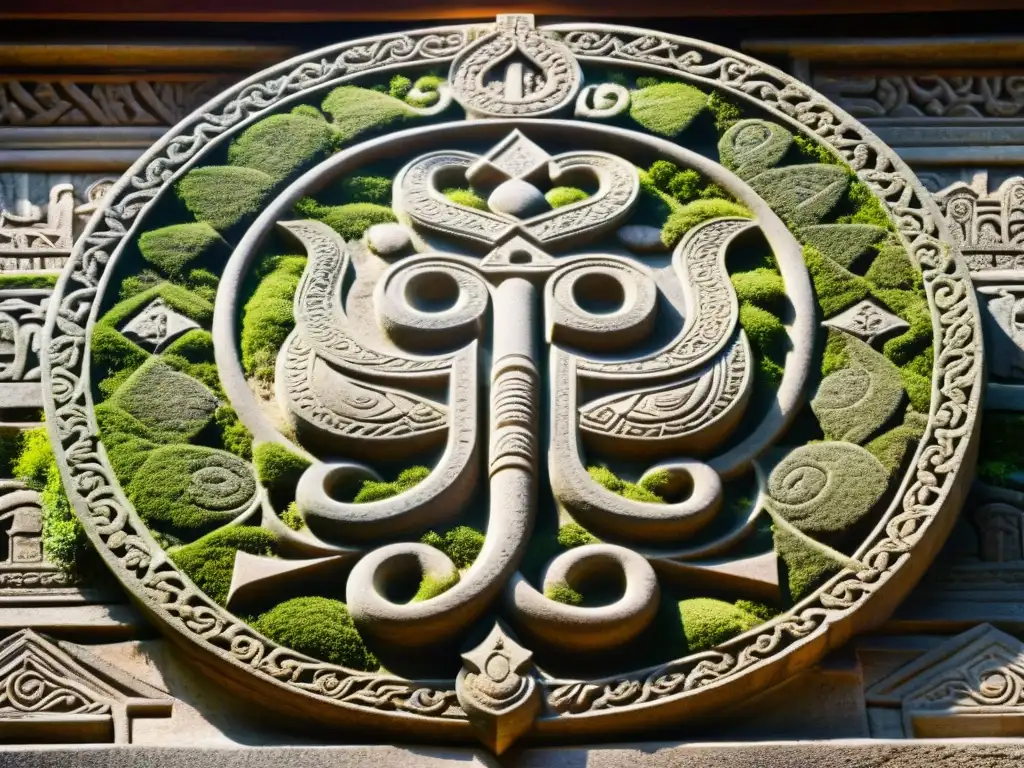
{"x": 157, "y": 325}
{"x": 515, "y": 157}
{"x": 867, "y": 320}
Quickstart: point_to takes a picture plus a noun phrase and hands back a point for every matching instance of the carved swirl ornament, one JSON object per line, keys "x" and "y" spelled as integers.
{"x": 565, "y": 337}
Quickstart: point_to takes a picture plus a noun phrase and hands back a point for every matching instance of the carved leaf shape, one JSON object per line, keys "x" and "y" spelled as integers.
{"x": 802, "y": 194}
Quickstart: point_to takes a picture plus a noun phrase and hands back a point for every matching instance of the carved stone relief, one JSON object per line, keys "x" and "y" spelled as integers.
{"x": 541, "y": 400}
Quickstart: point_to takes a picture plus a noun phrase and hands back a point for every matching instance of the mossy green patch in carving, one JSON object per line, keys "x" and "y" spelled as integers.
{"x": 9, "y": 280}
{"x": 843, "y": 243}
{"x": 765, "y": 330}
{"x": 173, "y": 406}
{"x": 667, "y": 109}
{"x": 563, "y": 593}
{"x": 318, "y": 627}
{"x": 210, "y": 560}
{"x": 751, "y": 147}
{"x": 835, "y": 287}
{"x": 126, "y": 439}
{"x": 802, "y": 194}
{"x": 826, "y": 488}
{"x": 268, "y": 316}
{"x": 805, "y": 568}
{"x": 358, "y": 111}
{"x": 866, "y": 208}
{"x": 763, "y": 287}
{"x": 893, "y": 447}
{"x": 643, "y": 491}
{"x": 350, "y": 220}
{"x": 1001, "y": 455}
{"x": 856, "y": 401}
{"x": 462, "y": 544}
{"x": 292, "y": 518}
{"x": 708, "y": 622}
{"x": 191, "y": 489}
{"x": 466, "y": 197}
{"x": 919, "y": 389}
{"x": 724, "y": 110}
{"x": 279, "y": 470}
{"x": 760, "y": 611}
{"x": 697, "y": 212}
{"x": 432, "y": 586}
{"x": 559, "y": 197}
{"x": 399, "y": 87}
{"x": 893, "y": 269}
{"x": 768, "y": 374}
{"x": 365, "y": 189}
{"x": 280, "y": 145}
{"x": 426, "y": 91}
{"x": 815, "y": 151}
{"x": 224, "y": 196}
{"x": 376, "y": 490}
{"x": 575, "y": 535}
{"x": 36, "y": 466}
{"x": 912, "y": 307}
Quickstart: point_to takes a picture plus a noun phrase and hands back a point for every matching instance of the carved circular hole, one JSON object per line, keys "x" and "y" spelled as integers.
{"x": 520, "y": 257}
{"x": 598, "y": 293}
{"x": 433, "y": 291}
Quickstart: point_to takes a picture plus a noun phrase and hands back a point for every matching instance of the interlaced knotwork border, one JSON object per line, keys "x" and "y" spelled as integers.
{"x": 919, "y": 517}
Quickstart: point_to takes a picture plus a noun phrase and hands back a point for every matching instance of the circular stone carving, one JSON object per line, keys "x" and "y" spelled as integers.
{"x": 622, "y": 256}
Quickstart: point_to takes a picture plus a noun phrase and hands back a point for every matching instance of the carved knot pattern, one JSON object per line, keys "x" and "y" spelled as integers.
{"x": 32, "y": 686}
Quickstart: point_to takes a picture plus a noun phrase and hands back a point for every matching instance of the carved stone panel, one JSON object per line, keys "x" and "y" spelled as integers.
{"x": 515, "y": 383}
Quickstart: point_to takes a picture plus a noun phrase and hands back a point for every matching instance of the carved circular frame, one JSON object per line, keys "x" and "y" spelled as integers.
{"x": 697, "y": 686}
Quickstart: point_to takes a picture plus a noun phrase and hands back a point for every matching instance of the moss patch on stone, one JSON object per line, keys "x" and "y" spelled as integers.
{"x": 763, "y": 287}
{"x": 280, "y": 145}
{"x": 724, "y": 111}
{"x": 804, "y": 567}
{"x": 224, "y": 196}
{"x": 364, "y": 189}
{"x": 697, "y": 212}
{"x": 751, "y": 147}
{"x": 667, "y": 109}
{"x": 765, "y": 330}
{"x": 376, "y": 490}
{"x": 843, "y": 243}
{"x": 350, "y": 220}
{"x": 802, "y": 194}
{"x": 12, "y": 280}
{"x": 268, "y": 316}
{"x": 292, "y": 517}
{"x": 432, "y": 586}
{"x": 188, "y": 489}
{"x": 358, "y": 112}
{"x": 575, "y": 535}
{"x": 892, "y": 447}
{"x": 466, "y": 197}
{"x": 912, "y": 307}
{"x": 866, "y": 208}
{"x": 892, "y": 269}
{"x": 318, "y": 627}
{"x": 210, "y": 560}
{"x": 462, "y": 544}
{"x": 559, "y": 197}
{"x": 708, "y": 622}
{"x": 835, "y": 287}
{"x": 645, "y": 491}
{"x": 563, "y": 593}
{"x": 278, "y": 470}
{"x": 173, "y": 406}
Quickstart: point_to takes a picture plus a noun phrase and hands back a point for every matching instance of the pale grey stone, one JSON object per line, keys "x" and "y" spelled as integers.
{"x": 640, "y": 238}
{"x": 388, "y": 239}
{"x": 518, "y": 198}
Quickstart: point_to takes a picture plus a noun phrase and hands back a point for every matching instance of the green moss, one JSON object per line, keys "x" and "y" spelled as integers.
{"x": 708, "y": 622}
{"x": 893, "y": 269}
{"x": 359, "y": 111}
{"x": 866, "y": 207}
{"x": 559, "y": 197}
{"x": 318, "y": 627}
{"x": 760, "y": 611}
{"x": 461, "y": 544}
{"x": 11, "y": 280}
{"x": 766, "y": 331}
{"x": 280, "y": 145}
{"x": 804, "y": 567}
{"x": 210, "y": 561}
{"x": 292, "y": 518}
{"x": 751, "y": 147}
{"x": 858, "y": 398}
{"x": 188, "y": 488}
{"x": 724, "y": 111}
{"x": 365, "y": 189}
{"x": 375, "y": 490}
{"x": 685, "y": 186}
{"x": 632, "y": 491}
{"x": 768, "y": 374}
{"x": 763, "y": 287}
{"x": 843, "y": 243}
{"x": 697, "y": 212}
{"x": 575, "y": 535}
{"x": 426, "y": 91}
{"x": 174, "y": 406}
{"x": 815, "y": 151}
{"x": 802, "y": 194}
{"x": 835, "y": 287}
{"x": 279, "y": 470}
{"x": 62, "y": 534}
{"x": 466, "y": 197}
{"x": 912, "y": 307}
{"x": 133, "y": 285}
{"x": 224, "y": 196}
{"x": 563, "y": 593}
{"x": 895, "y": 445}
{"x": 350, "y": 220}
{"x": 432, "y": 586}
{"x": 268, "y": 317}
{"x": 1001, "y": 454}
{"x": 399, "y": 87}
{"x": 918, "y": 388}
{"x": 667, "y": 109}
